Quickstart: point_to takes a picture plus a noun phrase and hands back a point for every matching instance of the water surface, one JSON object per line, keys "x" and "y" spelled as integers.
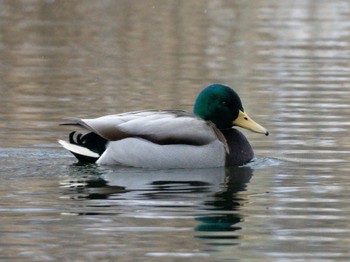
{"x": 288, "y": 60}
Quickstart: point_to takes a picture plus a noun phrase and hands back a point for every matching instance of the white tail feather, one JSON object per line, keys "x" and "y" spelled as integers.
{"x": 78, "y": 149}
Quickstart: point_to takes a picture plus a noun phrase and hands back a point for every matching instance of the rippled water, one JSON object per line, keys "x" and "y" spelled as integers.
{"x": 288, "y": 60}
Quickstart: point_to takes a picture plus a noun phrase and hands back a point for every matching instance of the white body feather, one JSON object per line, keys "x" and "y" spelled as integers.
{"x": 138, "y": 152}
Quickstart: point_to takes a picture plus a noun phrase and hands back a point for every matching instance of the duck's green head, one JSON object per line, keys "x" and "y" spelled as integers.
{"x": 222, "y": 106}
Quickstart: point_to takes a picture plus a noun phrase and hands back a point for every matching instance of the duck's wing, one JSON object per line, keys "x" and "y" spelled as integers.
{"x": 161, "y": 127}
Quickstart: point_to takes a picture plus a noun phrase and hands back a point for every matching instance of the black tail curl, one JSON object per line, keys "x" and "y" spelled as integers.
{"x": 90, "y": 141}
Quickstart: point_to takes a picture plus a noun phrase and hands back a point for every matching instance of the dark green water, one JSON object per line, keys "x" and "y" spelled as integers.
{"x": 288, "y": 60}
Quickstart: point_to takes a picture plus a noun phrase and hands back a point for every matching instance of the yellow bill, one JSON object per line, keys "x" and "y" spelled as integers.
{"x": 244, "y": 121}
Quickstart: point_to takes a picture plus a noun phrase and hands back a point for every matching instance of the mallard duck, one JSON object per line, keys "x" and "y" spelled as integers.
{"x": 170, "y": 138}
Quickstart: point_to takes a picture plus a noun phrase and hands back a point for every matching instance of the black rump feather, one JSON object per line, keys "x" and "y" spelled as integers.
{"x": 90, "y": 141}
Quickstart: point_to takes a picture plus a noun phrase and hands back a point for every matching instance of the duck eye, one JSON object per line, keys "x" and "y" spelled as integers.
{"x": 224, "y": 103}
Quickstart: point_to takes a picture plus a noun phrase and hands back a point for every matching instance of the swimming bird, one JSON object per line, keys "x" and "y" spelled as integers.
{"x": 169, "y": 138}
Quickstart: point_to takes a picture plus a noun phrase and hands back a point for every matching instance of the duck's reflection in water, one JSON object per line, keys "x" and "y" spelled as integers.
{"x": 213, "y": 196}
{"x": 223, "y": 216}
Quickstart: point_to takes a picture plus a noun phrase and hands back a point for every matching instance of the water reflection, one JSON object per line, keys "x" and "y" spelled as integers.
{"x": 86, "y": 182}
{"x": 289, "y": 61}
{"x": 214, "y": 195}
{"x": 224, "y": 208}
